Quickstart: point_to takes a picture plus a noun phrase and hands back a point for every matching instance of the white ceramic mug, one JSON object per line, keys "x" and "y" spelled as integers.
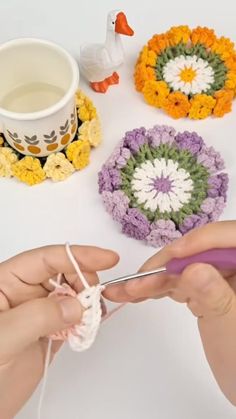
{"x": 38, "y": 81}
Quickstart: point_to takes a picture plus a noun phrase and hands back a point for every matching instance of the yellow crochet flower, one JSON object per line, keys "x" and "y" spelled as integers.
{"x": 91, "y": 131}
{"x": 142, "y": 74}
{"x": 158, "y": 43}
{"x": 147, "y": 57}
{"x": 177, "y": 105}
{"x": 224, "y": 99}
{"x": 142, "y": 58}
{"x": 29, "y": 170}
{"x": 86, "y": 109}
{"x": 151, "y": 58}
{"x": 203, "y": 36}
{"x": 7, "y": 159}
{"x": 201, "y": 106}
{"x": 1, "y": 140}
{"x": 57, "y": 167}
{"x": 231, "y": 62}
{"x": 80, "y": 98}
{"x": 224, "y": 47}
{"x": 78, "y": 152}
{"x": 155, "y": 92}
{"x": 231, "y": 80}
{"x": 178, "y": 34}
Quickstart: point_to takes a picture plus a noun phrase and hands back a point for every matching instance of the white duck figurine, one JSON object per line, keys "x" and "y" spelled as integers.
{"x": 99, "y": 63}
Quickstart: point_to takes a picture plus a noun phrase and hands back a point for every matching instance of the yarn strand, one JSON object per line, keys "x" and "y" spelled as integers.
{"x": 76, "y": 267}
{"x": 45, "y": 376}
{"x": 47, "y": 359}
{"x": 81, "y": 336}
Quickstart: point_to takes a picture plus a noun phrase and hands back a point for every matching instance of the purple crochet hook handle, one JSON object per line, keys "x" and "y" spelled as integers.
{"x": 222, "y": 259}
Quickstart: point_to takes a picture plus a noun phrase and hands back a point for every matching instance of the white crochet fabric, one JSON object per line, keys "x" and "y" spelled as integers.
{"x": 80, "y": 337}
{"x": 203, "y": 74}
{"x": 84, "y": 334}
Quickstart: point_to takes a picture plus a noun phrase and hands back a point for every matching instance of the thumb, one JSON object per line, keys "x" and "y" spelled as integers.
{"x": 34, "y": 319}
{"x": 209, "y": 294}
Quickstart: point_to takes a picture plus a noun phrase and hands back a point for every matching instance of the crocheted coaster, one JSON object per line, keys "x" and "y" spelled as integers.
{"x": 159, "y": 184}
{"x": 188, "y": 73}
{"x": 57, "y": 166}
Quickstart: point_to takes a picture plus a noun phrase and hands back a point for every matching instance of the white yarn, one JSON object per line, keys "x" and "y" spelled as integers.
{"x": 46, "y": 363}
{"x": 145, "y": 192}
{"x": 45, "y": 374}
{"x": 84, "y": 334}
{"x": 76, "y": 267}
{"x": 204, "y": 74}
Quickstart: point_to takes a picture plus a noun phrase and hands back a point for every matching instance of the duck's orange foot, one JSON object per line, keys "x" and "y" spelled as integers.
{"x": 100, "y": 86}
{"x": 113, "y": 79}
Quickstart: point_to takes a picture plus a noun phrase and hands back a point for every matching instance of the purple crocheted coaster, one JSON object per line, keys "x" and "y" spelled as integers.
{"x": 159, "y": 184}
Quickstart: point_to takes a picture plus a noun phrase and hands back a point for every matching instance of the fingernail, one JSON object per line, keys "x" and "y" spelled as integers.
{"x": 71, "y": 310}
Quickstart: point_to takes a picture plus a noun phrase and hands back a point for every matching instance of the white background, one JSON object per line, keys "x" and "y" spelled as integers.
{"x": 147, "y": 361}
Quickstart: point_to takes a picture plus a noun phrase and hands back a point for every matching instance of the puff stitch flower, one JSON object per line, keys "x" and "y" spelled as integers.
{"x": 155, "y": 92}
{"x": 29, "y": 170}
{"x": 86, "y": 109}
{"x": 204, "y": 36}
{"x": 177, "y": 105}
{"x": 7, "y": 158}
{"x": 78, "y": 153}
{"x": 91, "y": 131}
{"x": 178, "y": 34}
{"x": 57, "y": 167}
{"x": 143, "y": 73}
{"x": 224, "y": 99}
{"x": 201, "y": 106}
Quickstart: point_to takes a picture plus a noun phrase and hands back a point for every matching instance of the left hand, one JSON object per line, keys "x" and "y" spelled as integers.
{"x": 27, "y": 316}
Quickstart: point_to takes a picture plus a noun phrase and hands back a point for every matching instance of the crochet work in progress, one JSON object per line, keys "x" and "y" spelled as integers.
{"x": 57, "y": 166}
{"x": 159, "y": 184}
{"x": 188, "y": 73}
{"x": 80, "y": 337}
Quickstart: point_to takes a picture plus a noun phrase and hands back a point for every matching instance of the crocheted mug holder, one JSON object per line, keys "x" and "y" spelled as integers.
{"x": 188, "y": 73}
{"x": 56, "y": 166}
{"x": 159, "y": 184}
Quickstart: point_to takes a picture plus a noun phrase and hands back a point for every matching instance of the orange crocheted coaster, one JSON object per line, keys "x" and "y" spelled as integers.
{"x": 188, "y": 73}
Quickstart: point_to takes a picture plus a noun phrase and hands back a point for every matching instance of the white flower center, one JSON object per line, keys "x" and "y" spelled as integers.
{"x": 189, "y": 74}
{"x": 162, "y": 185}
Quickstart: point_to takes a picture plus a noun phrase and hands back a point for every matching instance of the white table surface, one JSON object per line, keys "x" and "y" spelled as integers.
{"x": 147, "y": 361}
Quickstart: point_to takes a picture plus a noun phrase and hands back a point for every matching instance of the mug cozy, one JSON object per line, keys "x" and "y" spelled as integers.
{"x": 58, "y": 165}
{"x": 188, "y": 73}
{"x": 159, "y": 184}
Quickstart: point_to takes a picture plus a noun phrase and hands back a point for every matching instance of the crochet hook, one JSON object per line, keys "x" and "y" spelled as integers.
{"x": 222, "y": 259}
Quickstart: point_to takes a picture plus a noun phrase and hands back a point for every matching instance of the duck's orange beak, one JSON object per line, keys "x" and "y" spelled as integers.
{"x": 122, "y": 25}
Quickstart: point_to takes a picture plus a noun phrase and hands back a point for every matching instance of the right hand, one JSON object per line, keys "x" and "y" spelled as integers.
{"x": 208, "y": 293}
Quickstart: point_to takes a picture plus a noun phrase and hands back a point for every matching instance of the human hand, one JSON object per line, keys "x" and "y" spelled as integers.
{"x": 208, "y": 293}
{"x": 27, "y": 315}
{"x": 180, "y": 287}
